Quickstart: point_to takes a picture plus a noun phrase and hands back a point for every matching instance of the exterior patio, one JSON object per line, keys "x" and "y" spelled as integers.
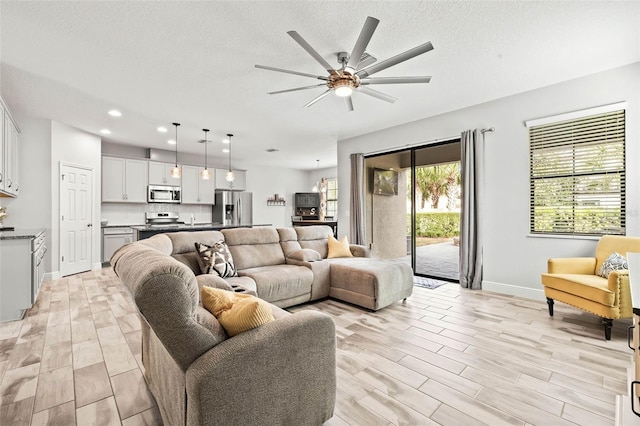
{"x": 438, "y": 260}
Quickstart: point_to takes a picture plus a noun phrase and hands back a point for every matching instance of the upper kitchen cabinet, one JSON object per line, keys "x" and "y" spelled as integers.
{"x": 160, "y": 174}
{"x": 238, "y": 184}
{"x": 124, "y": 180}
{"x": 9, "y": 184}
{"x": 196, "y": 190}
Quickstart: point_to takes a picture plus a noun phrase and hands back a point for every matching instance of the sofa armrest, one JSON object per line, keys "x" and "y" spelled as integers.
{"x": 572, "y": 265}
{"x": 283, "y": 372}
{"x": 214, "y": 281}
{"x": 618, "y": 282}
{"x": 358, "y": 250}
{"x": 304, "y": 255}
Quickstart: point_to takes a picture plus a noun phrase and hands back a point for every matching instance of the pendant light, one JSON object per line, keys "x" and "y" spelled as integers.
{"x": 230, "y": 177}
{"x": 176, "y": 172}
{"x": 205, "y": 173}
{"x": 316, "y": 186}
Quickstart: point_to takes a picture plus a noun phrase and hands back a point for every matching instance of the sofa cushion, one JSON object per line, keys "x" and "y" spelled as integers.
{"x": 288, "y": 240}
{"x": 338, "y": 248}
{"x": 314, "y": 237}
{"x": 254, "y": 247}
{"x": 236, "y": 312}
{"x": 216, "y": 259}
{"x": 615, "y": 262}
{"x": 280, "y": 282}
{"x": 304, "y": 255}
{"x": 183, "y": 241}
{"x": 591, "y": 287}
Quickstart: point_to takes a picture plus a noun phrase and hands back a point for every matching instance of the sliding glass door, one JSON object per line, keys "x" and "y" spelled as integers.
{"x": 413, "y": 208}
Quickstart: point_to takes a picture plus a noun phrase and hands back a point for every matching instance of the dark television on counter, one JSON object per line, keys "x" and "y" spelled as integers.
{"x": 385, "y": 182}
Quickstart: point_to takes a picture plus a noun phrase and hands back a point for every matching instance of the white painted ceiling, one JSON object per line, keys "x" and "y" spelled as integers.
{"x": 193, "y": 62}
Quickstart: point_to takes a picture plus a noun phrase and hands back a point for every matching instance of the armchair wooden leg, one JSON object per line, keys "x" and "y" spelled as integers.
{"x": 608, "y": 323}
{"x": 550, "y": 303}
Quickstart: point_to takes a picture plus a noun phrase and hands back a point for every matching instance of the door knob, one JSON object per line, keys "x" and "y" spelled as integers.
{"x": 89, "y": 225}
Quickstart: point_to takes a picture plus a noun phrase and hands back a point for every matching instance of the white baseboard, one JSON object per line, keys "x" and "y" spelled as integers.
{"x": 96, "y": 266}
{"x": 51, "y": 276}
{"x": 514, "y": 290}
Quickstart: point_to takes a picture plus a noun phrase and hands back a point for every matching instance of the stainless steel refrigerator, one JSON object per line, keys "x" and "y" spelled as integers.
{"x": 233, "y": 208}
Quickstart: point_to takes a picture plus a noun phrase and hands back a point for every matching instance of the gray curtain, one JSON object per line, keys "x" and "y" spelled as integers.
{"x": 356, "y": 204}
{"x": 471, "y": 165}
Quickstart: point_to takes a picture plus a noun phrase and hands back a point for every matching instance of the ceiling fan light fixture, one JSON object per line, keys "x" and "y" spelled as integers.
{"x": 343, "y": 91}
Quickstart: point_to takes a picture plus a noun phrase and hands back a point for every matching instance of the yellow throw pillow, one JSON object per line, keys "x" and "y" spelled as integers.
{"x": 237, "y": 313}
{"x": 338, "y": 248}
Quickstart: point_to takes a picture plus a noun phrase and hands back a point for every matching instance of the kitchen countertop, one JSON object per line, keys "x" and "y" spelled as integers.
{"x": 194, "y": 227}
{"x": 20, "y": 234}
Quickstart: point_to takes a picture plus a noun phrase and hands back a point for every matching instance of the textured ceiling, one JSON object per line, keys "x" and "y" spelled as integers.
{"x": 193, "y": 62}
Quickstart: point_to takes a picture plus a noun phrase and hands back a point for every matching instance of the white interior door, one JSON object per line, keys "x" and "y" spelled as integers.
{"x": 76, "y": 227}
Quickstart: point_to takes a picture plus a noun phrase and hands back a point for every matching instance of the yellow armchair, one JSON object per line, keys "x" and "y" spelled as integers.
{"x": 574, "y": 281}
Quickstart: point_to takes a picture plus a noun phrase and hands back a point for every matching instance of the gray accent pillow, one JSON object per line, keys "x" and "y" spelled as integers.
{"x": 614, "y": 262}
{"x": 216, "y": 258}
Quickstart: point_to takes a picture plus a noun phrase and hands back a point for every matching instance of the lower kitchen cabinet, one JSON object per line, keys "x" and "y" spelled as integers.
{"x": 113, "y": 239}
{"x": 21, "y": 271}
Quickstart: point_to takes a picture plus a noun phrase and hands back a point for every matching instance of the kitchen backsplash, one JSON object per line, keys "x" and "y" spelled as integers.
{"x": 133, "y": 214}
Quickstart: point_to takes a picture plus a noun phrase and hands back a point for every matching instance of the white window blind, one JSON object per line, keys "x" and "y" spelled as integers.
{"x": 577, "y": 175}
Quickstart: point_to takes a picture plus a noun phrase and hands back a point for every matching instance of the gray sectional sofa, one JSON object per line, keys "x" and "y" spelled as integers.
{"x": 282, "y": 372}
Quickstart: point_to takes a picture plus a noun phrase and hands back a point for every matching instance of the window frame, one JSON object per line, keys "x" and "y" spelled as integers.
{"x": 581, "y": 175}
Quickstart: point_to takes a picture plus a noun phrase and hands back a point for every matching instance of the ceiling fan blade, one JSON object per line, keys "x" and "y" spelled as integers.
{"x": 304, "y": 74}
{"x": 401, "y": 57}
{"x": 349, "y": 103}
{"x": 395, "y": 80}
{"x": 383, "y": 96}
{"x": 296, "y": 89}
{"x": 306, "y": 46}
{"x": 317, "y": 98}
{"x": 361, "y": 44}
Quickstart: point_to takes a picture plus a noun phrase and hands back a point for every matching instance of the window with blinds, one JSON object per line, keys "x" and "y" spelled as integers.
{"x": 332, "y": 198}
{"x": 577, "y": 171}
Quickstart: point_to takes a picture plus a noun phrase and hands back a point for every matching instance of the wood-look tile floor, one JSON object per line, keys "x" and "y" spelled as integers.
{"x": 447, "y": 356}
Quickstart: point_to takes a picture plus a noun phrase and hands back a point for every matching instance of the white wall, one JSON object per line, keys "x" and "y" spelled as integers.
{"x": 74, "y": 147}
{"x": 513, "y": 261}
{"x": 32, "y": 208}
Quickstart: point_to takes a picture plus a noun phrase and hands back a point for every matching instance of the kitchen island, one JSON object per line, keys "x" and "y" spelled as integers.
{"x": 145, "y": 231}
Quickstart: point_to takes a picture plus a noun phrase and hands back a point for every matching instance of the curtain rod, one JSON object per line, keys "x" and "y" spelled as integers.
{"x": 410, "y": 145}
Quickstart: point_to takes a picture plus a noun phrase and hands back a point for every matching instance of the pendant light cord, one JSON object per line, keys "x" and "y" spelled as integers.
{"x": 176, "y": 124}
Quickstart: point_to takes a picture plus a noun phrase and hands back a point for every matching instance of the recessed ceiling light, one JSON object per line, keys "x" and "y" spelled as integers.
{"x": 225, "y": 150}
{"x": 162, "y": 129}
{"x": 105, "y": 131}
{"x": 171, "y": 142}
{"x": 115, "y": 113}
{"x": 226, "y": 140}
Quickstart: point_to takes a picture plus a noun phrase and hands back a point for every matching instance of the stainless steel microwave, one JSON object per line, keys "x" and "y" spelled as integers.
{"x": 163, "y": 194}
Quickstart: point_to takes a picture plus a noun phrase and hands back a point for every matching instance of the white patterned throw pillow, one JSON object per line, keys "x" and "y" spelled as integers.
{"x": 216, "y": 258}
{"x": 614, "y": 262}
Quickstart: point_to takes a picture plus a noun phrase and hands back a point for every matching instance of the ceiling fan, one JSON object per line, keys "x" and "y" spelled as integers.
{"x": 356, "y": 69}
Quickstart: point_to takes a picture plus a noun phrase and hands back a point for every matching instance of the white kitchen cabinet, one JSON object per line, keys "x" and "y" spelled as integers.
{"x": 124, "y": 180}
{"x": 196, "y": 190}
{"x": 113, "y": 239}
{"x": 12, "y": 186}
{"x": 160, "y": 174}
{"x": 9, "y": 184}
{"x": 18, "y": 274}
{"x": 2, "y": 156}
{"x": 238, "y": 184}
